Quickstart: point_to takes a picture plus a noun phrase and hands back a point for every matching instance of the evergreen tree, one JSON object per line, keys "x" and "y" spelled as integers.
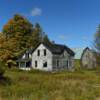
{"x": 46, "y": 39}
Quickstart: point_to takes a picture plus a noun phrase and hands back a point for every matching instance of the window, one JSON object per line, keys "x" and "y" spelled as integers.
{"x": 22, "y": 64}
{"x": 45, "y": 52}
{"x": 28, "y": 64}
{"x": 38, "y": 52}
{"x": 35, "y": 63}
{"x": 58, "y": 63}
{"x": 45, "y": 64}
{"x": 54, "y": 62}
{"x": 67, "y": 63}
{"x": 27, "y": 55}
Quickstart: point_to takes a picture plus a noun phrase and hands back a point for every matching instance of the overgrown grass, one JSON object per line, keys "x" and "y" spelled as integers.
{"x": 37, "y": 85}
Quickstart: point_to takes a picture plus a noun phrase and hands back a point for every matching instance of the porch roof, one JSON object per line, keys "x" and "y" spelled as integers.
{"x": 23, "y": 60}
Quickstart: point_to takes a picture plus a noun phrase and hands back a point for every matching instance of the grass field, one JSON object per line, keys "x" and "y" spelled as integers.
{"x": 37, "y": 85}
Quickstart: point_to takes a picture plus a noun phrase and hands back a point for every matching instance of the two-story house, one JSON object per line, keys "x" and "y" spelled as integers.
{"x": 47, "y": 57}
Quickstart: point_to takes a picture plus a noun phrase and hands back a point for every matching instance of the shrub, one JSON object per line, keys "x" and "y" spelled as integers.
{"x": 10, "y": 63}
{"x": 2, "y": 69}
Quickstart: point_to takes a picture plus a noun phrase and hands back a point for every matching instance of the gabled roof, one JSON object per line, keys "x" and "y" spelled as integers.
{"x": 90, "y": 50}
{"x": 80, "y": 51}
{"x": 87, "y": 48}
{"x": 57, "y": 48}
{"x": 54, "y": 48}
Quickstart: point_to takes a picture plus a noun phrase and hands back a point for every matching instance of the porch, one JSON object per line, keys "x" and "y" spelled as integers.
{"x": 24, "y": 64}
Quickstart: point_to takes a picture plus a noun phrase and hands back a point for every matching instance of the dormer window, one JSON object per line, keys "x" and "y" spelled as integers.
{"x": 27, "y": 55}
{"x": 45, "y": 53}
{"x": 38, "y": 52}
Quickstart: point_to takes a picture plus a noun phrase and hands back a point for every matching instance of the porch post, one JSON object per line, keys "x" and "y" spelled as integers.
{"x": 19, "y": 64}
{"x": 25, "y": 64}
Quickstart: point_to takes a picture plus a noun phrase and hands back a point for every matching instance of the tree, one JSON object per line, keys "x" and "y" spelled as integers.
{"x": 97, "y": 39}
{"x": 2, "y": 40}
{"x": 97, "y": 45}
{"x": 46, "y": 39}
{"x": 2, "y": 69}
{"x": 17, "y": 31}
{"x": 17, "y": 24}
{"x": 36, "y": 35}
{"x": 19, "y": 35}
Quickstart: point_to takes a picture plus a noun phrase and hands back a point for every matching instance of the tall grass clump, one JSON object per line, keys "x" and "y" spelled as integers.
{"x": 2, "y": 69}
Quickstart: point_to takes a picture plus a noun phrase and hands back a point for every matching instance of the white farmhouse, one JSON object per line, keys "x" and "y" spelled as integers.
{"x": 47, "y": 57}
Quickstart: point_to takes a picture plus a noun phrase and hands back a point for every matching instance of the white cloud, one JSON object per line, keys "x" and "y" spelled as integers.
{"x": 63, "y": 37}
{"x": 36, "y": 11}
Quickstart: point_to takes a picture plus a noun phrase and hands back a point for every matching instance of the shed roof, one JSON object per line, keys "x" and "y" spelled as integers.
{"x": 23, "y": 60}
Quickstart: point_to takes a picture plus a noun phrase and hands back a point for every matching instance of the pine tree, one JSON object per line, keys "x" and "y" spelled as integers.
{"x": 46, "y": 39}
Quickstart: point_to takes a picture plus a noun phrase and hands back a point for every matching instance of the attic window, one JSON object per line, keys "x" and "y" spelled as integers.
{"x": 45, "y": 52}
{"x": 38, "y": 52}
{"x": 27, "y": 55}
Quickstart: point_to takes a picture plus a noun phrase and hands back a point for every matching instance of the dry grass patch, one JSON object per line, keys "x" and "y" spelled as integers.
{"x": 37, "y": 85}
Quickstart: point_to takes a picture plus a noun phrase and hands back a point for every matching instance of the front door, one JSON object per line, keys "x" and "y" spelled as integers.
{"x": 28, "y": 64}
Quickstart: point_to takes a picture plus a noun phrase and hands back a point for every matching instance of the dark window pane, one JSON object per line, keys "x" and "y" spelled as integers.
{"x": 35, "y": 63}
{"x": 45, "y": 52}
{"x": 45, "y": 64}
{"x": 27, "y": 55}
{"x": 28, "y": 64}
{"x": 38, "y": 52}
{"x": 67, "y": 63}
{"x": 57, "y": 62}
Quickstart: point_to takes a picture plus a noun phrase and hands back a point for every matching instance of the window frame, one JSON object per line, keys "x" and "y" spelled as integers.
{"x": 38, "y": 52}
{"x": 67, "y": 63}
{"x": 45, "y": 52}
{"x": 27, "y": 55}
{"x": 45, "y": 63}
{"x": 36, "y": 63}
{"x": 57, "y": 63}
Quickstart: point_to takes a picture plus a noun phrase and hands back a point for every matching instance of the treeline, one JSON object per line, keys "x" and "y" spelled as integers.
{"x": 18, "y": 35}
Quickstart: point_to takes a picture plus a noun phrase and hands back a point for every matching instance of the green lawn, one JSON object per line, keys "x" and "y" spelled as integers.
{"x": 36, "y": 85}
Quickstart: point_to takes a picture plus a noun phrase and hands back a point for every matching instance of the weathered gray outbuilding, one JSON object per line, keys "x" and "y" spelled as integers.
{"x": 88, "y": 59}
